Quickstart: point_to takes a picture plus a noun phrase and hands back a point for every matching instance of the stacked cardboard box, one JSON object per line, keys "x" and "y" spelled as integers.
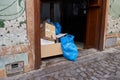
{"x": 48, "y": 46}
{"x": 48, "y": 31}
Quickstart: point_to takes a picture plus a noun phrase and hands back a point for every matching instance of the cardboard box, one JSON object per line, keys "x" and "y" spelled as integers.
{"x": 51, "y": 50}
{"x": 47, "y": 31}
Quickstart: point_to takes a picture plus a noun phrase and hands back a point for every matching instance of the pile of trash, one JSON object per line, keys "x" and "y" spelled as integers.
{"x": 53, "y": 42}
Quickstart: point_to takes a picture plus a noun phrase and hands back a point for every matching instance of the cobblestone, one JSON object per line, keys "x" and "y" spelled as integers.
{"x": 83, "y": 74}
{"x": 94, "y": 78}
{"x": 89, "y": 66}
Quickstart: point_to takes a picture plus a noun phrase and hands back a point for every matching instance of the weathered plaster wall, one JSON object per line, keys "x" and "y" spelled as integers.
{"x": 12, "y": 23}
{"x": 114, "y": 17}
{"x": 13, "y": 58}
{"x": 15, "y": 35}
{"x": 113, "y": 28}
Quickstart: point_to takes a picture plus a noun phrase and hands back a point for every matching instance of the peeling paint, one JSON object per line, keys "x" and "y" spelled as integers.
{"x": 113, "y": 26}
{"x": 13, "y": 58}
{"x": 12, "y": 23}
{"x": 114, "y": 17}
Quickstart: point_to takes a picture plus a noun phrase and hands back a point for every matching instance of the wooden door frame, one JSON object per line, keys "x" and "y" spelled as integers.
{"x": 37, "y": 47}
{"x": 37, "y": 30}
{"x": 99, "y": 37}
{"x": 103, "y": 24}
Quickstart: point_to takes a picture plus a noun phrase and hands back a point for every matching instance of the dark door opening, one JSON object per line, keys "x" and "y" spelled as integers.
{"x": 72, "y": 15}
{"x": 85, "y": 19}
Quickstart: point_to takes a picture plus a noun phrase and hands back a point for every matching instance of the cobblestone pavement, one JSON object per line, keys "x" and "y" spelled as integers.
{"x": 90, "y": 65}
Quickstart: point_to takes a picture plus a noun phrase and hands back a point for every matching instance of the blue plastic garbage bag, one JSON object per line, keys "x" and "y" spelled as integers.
{"x": 69, "y": 48}
{"x": 57, "y": 27}
{"x": 48, "y": 20}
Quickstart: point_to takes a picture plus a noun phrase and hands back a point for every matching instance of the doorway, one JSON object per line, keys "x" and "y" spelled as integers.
{"x": 71, "y": 14}
{"x": 85, "y": 19}
{"x": 74, "y": 18}
{"x": 95, "y": 32}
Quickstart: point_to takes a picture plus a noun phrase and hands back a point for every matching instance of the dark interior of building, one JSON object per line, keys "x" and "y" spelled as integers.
{"x": 72, "y": 15}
